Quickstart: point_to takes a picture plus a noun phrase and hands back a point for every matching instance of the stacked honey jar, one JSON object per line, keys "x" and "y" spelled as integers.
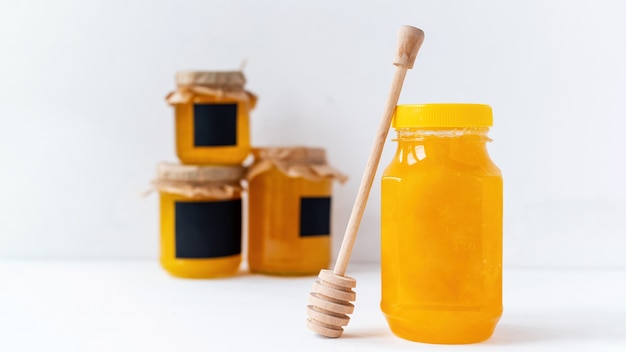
{"x": 289, "y": 189}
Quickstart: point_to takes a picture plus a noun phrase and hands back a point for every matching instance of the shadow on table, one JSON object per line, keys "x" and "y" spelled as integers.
{"x": 366, "y": 333}
{"x": 507, "y": 334}
{"x": 607, "y": 327}
{"x": 504, "y": 335}
{"x": 604, "y": 328}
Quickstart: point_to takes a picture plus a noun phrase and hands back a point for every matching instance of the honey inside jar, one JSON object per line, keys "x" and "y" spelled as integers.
{"x": 201, "y": 220}
{"x": 212, "y": 117}
{"x": 441, "y": 223}
{"x": 289, "y": 211}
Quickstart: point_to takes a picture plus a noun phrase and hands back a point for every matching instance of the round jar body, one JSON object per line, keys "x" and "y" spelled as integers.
{"x": 200, "y": 237}
{"x": 213, "y": 130}
{"x": 289, "y": 224}
{"x": 441, "y": 237}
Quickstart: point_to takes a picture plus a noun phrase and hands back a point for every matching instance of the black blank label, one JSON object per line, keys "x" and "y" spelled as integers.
{"x": 208, "y": 229}
{"x": 315, "y": 216}
{"x": 214, "y": 125}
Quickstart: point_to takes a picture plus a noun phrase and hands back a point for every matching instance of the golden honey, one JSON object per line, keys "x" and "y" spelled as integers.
{"x": 441, "y": 226}
{"x": 289, "y": 194}
{"x": 212, "y": 117}
{"x": 201, "y": 220}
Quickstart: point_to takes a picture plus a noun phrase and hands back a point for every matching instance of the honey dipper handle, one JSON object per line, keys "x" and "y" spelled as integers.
{"x": 410, "y": 40}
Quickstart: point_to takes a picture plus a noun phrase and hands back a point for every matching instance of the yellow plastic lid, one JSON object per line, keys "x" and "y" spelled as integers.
{"x": 442, "y": 115}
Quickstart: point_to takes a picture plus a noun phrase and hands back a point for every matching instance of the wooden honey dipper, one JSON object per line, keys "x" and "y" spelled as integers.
{"x": 332, "y": 292}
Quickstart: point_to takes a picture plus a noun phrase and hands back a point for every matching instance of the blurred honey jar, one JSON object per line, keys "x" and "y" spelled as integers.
{"x": 212, "y": 117}
{"x": 201, "y": 219}
{"x": 289, "y": 214}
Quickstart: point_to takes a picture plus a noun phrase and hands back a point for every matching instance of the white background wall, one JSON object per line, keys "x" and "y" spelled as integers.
{"x": 83, "y": 120}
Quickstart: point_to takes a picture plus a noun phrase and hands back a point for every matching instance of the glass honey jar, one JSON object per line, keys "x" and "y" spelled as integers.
{"x": 289, "y": 191}
{"x": 441, "y": 262}
{"x": 212, "y": 117}
{"x": 201, "y": 219}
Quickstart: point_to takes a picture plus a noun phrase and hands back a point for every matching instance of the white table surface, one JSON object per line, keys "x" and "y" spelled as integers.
{"x": 135, "y": 306}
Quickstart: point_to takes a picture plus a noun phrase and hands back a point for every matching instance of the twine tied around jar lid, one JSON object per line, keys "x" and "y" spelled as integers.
{"x": 218, "y": 182}
{"x": 221, "y": 85}
{"x": 309, "y": 163}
